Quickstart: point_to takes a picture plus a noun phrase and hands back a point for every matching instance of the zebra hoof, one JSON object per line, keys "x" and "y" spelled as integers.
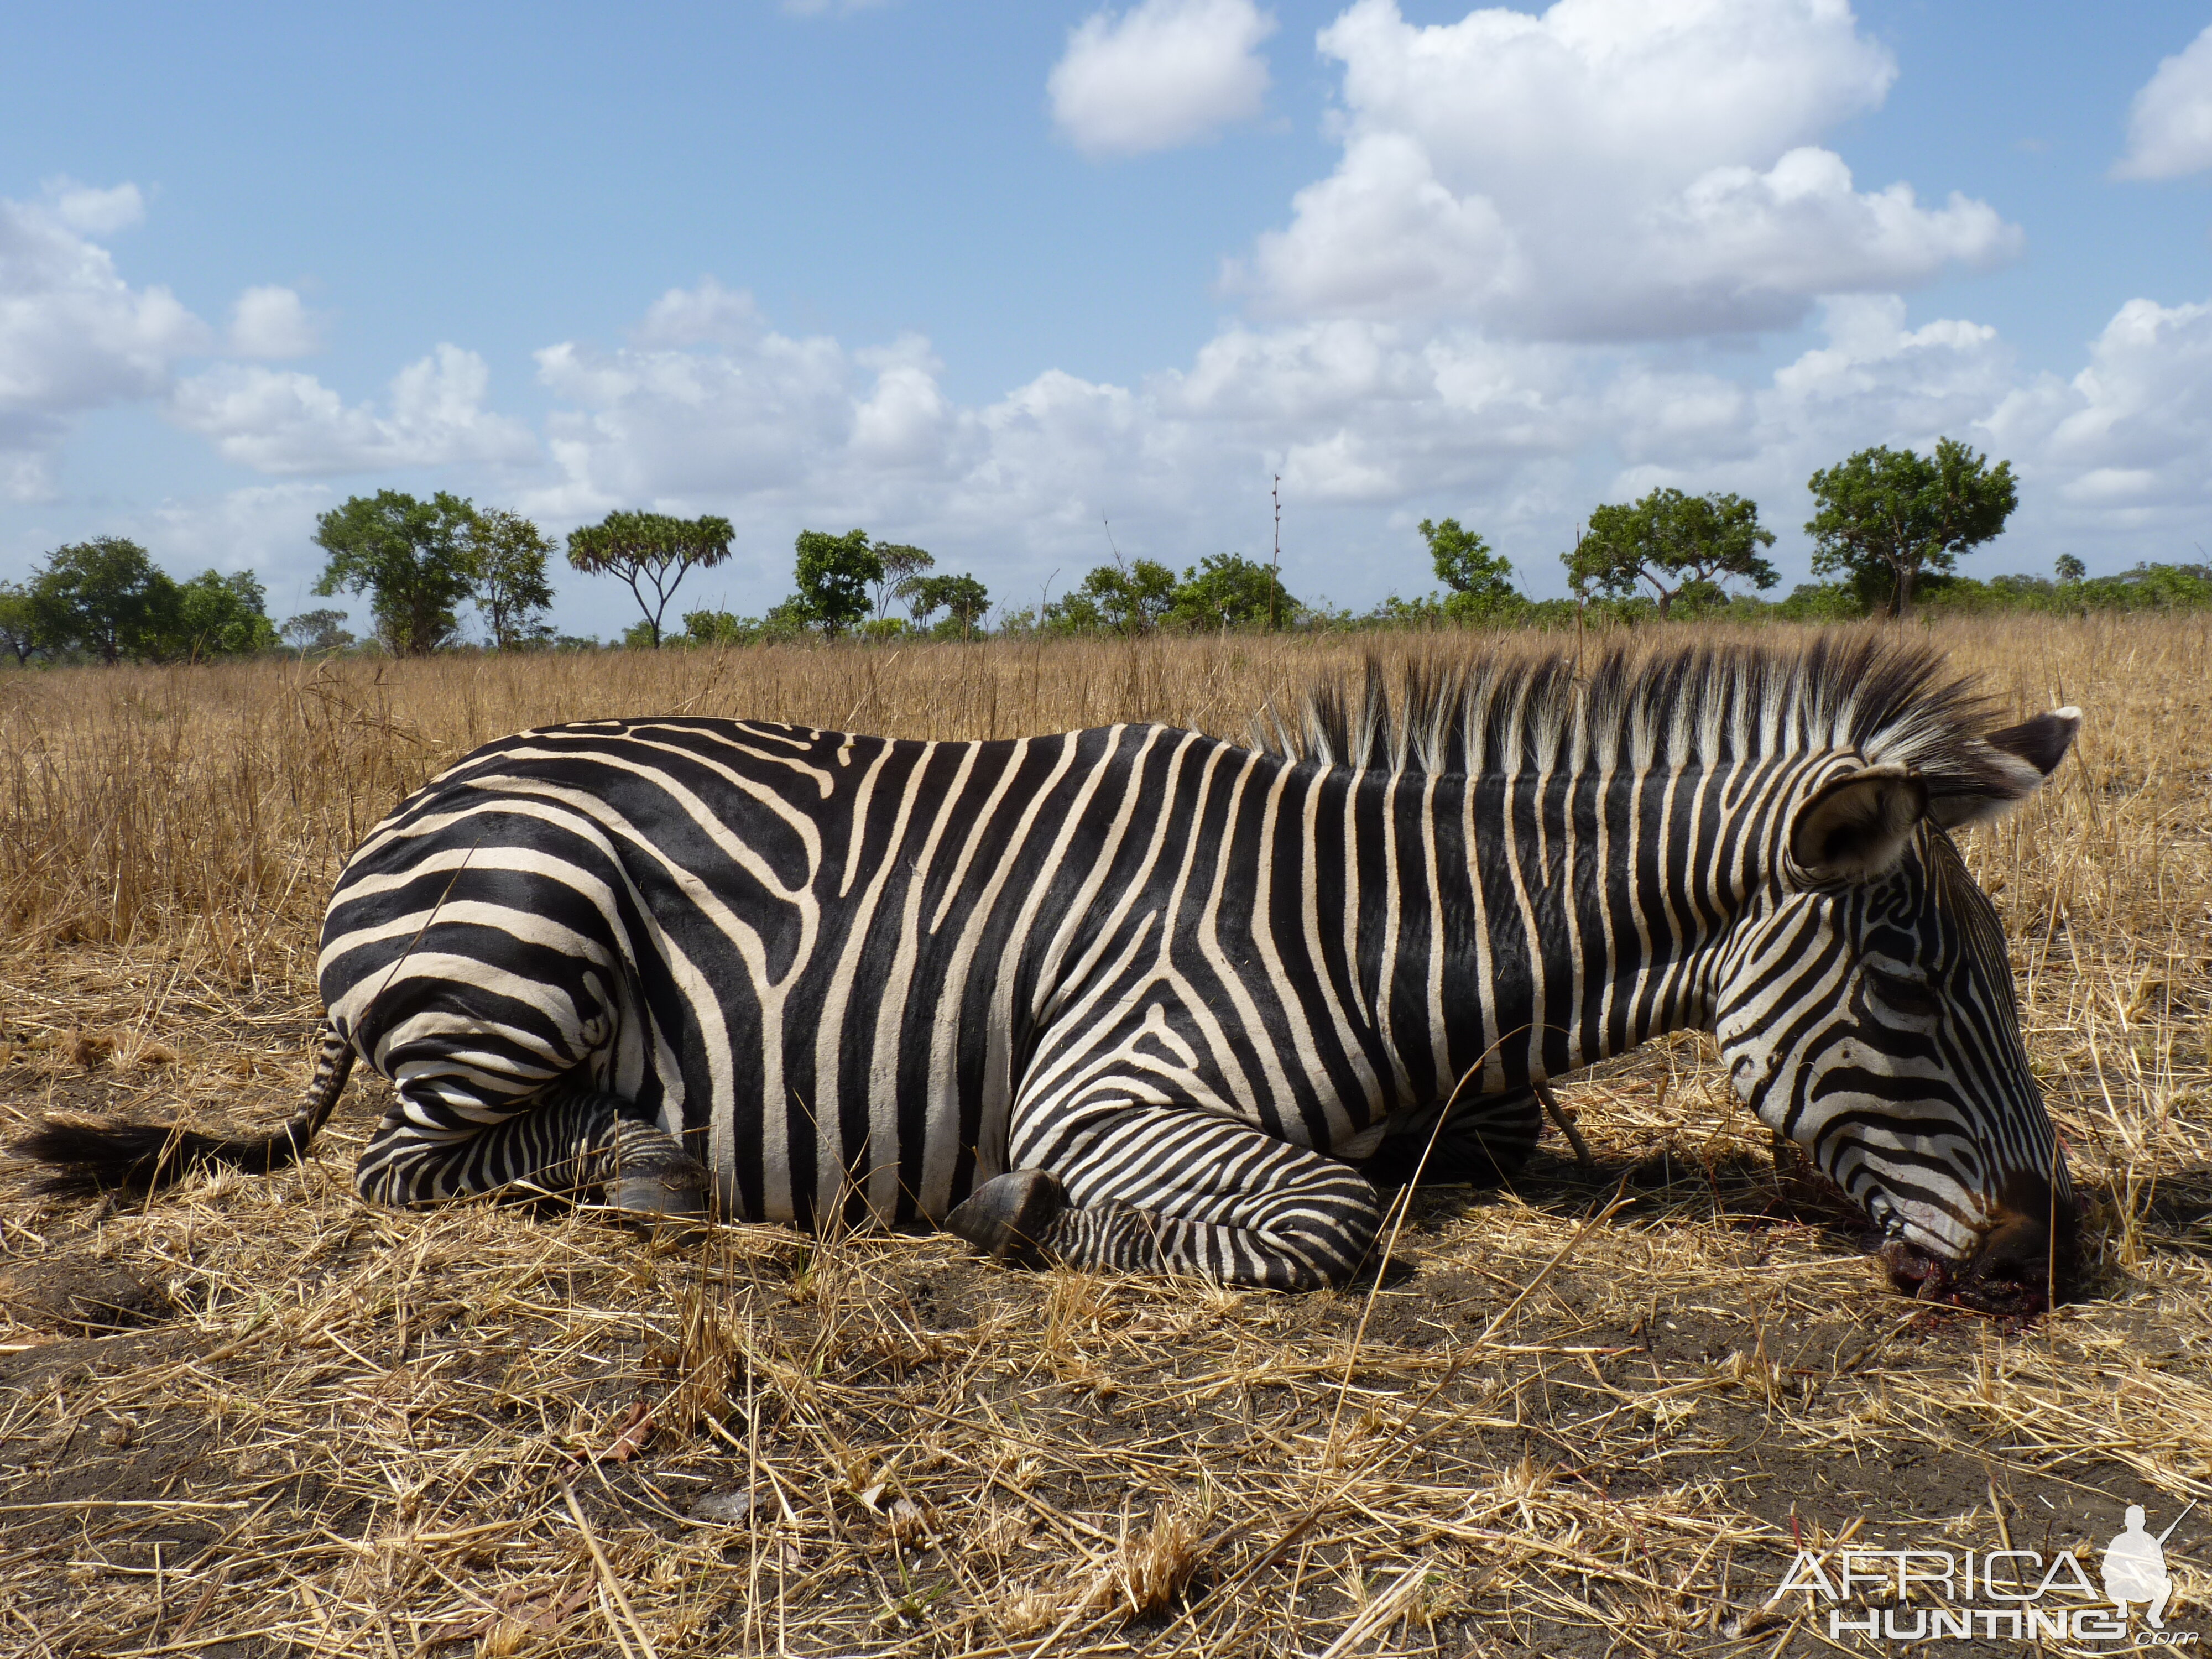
{"x": 1006, "y": 1217}
{"x": 666, "y": 1200}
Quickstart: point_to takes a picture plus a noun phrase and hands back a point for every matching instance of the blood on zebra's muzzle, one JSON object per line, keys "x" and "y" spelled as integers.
{"x": 2026, "y": 1260}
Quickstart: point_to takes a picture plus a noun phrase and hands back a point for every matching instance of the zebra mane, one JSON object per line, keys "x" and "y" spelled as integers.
{"x": 1641, "y": 706}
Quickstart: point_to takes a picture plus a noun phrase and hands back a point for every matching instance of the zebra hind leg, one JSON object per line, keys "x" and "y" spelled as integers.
{"x": 655, "y": 1183}
{"x": 573, "y": 1144}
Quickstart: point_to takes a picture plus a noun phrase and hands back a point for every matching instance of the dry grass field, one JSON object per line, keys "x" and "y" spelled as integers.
{"x": 1594, "y": 1414}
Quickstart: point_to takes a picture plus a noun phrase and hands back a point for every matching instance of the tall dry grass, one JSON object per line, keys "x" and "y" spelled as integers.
{"x": 138, "y": 803}
{"x": 145, "y": 804}
{"x": 252, "y": 1417}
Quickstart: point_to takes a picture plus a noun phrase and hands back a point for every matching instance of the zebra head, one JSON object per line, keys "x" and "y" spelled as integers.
{"x": 1867, "y": 1011}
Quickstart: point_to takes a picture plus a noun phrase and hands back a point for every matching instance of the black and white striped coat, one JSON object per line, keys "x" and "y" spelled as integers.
{"x": 861, "y": 977}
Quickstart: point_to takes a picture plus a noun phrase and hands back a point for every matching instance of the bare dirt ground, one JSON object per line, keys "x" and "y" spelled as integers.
{"x": 1597, "y": 1414}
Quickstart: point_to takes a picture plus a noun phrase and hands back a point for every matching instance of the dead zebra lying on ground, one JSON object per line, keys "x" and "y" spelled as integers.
{"x": 1140, "y": 999}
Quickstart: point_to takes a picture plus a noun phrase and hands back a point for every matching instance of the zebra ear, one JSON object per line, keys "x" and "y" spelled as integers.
{"x": 2027, "y": 754}
{"x": 1857, "y": 827}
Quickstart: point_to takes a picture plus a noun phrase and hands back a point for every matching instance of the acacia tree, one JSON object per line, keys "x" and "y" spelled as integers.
{"x": 835, "y": 574}
{"x": 1886, "y": 517}
{"x": 412, "y": 558}
{"x": 506, "y": 570}
{"x": 903, "y": 566}
{"x": 1673, "y": 541}
{"x": 650, "y": 550}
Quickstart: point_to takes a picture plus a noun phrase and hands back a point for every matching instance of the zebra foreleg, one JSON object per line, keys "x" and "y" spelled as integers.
{"x": 1141, "y": 1189}
{"x": 573, "y": 1142}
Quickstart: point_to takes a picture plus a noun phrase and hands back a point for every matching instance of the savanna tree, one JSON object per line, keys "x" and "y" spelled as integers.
{"x": 835, "y": 574}
{"x": 1887, "y": 517}
{"x": 217, "y": 616}
{"x": 508, "y": 581}
{"x": 1481, "y": 580}
{"x": 650, "y": 551}
{"x": 411, "y": 557}
{"x": 105, "y": 597}
{"x": 903, "y": 566}
{"x": 1678, "y": 543}
{"x": 1229, "y": 590}
{"x": 317, "y": 630}
{"x": 1133, "y": 597}
{"x": 18, "y": 628}
{"x": 966, "y": 601}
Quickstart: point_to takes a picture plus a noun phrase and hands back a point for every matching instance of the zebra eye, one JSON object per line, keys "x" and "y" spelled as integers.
{"x": 1905, "y": 996}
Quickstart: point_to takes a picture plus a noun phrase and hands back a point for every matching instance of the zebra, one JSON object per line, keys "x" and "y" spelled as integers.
{"x": 1137, "y": 998}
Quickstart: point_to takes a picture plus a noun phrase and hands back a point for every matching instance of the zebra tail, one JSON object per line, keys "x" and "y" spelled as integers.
{"x": 86, "y": 1157}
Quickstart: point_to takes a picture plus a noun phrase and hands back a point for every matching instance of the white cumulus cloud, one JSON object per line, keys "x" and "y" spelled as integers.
{"x": 264, "y": 528}
{"x": 696, "y": 316}
{"x": 1163, "y": 74}
{"x": 94, "y": 211}
{"x": 272, "y": 322}
{"x": 1373, "y": 424}
{"x": 74, "y": 335}
{"x": 660, "y": 421}
{"x": 777, "y": 431}
{"x": 1617, "y": 169}
{"x": 2170, "y": 125}
{"x": 2131, "y": 434}
{"x": 905, "y": 419}
{"x": 284, "y": 421}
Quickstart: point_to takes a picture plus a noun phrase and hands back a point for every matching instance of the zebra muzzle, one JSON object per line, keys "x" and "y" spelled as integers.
{"x": 1914, "y": 1272}
{"x": 2027, "y": 1259}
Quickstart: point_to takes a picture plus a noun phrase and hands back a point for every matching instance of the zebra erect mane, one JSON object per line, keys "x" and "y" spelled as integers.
{"x": 1492, "y": 710}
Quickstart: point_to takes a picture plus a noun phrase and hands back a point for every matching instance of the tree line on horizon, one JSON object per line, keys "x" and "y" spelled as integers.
{"x": 847, "y": 585}
{"x": 419, "y": 563}
{"x": 106, "y": 600}
{"x": 1889, "y": 528}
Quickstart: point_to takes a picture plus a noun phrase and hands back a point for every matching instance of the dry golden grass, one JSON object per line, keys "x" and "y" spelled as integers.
{"x": 254, "y": 1417}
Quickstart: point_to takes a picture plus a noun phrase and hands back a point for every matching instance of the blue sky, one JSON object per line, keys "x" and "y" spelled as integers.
{"x": 979, "y": 277}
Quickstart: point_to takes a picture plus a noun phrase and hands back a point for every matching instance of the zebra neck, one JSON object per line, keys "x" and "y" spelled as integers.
{"x": 1528, "y": 924}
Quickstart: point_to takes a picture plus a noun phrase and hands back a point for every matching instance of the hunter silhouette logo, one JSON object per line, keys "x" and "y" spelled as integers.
{"x": 2022, "y": 1595}
{"x": 2135, "y": 1567}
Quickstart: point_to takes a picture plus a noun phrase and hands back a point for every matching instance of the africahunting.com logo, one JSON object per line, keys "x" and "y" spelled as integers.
{"x": 1920, "y": 1595}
